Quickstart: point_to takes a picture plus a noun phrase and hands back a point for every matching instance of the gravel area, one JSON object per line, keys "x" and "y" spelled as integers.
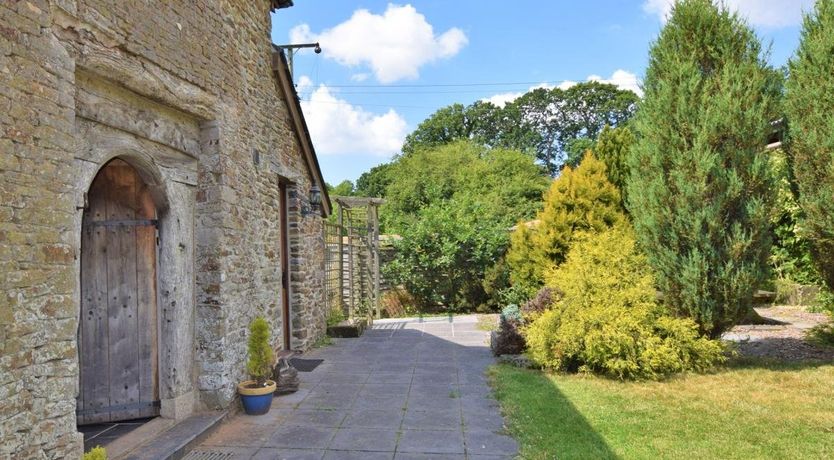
{"x": 786, "y": 341}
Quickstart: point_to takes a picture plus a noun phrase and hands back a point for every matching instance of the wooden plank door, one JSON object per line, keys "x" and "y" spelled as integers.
{"x": 286, "y": 323}
{"x": 118, "y": 330}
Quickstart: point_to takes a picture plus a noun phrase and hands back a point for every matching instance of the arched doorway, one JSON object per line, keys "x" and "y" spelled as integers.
{"x": 117, "y": 336}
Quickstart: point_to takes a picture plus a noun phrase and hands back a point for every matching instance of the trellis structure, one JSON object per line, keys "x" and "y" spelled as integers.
{"x": 352, "y": 260}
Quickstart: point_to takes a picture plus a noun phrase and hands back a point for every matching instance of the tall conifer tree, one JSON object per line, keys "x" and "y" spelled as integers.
{"x": 700, "y": 188}
{"x": 810, "y": 109}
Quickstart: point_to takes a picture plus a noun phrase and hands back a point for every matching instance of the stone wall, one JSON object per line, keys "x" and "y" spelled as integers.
{"x": 184, "y": 91}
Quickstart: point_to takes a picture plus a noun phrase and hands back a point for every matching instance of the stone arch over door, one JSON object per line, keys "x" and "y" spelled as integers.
{"x": 164, "y": 142}
{"x": 118, "y": 329}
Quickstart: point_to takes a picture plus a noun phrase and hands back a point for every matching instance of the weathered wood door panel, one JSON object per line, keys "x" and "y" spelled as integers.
{"x": 118, "y": 332}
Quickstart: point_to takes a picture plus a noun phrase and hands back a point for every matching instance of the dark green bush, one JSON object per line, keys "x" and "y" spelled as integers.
{"x": 809, "y": 98}
{"x": 497, "y": 287}
{"x": 700, "y": 190}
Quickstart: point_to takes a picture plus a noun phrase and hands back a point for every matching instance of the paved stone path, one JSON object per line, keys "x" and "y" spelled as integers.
{"x": 404, "y": 390}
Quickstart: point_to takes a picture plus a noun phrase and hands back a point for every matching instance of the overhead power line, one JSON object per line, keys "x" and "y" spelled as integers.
{"x": 395, "y": 93}
{"x": 435, "y": 85}
{"x": 461, "y": 85}
{"x": 392, "y": 106}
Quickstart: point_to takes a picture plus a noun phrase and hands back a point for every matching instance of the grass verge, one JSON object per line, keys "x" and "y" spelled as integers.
{"x": 487, "y": 322}
{"x": 747, "y": 410}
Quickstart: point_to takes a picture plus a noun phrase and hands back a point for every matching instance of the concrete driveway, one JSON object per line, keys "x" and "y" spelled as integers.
{"x": 407, "y": 389}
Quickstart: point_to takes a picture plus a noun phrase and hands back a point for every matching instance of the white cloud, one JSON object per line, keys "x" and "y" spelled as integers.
{"x": 621, "y": 78}
{"x": 339, "y": 128}
{"x": 503, "y": 98}
{"x": 765, "y": 13}
{"x": 567, "y": 84}
{"x": 393, "y": 45}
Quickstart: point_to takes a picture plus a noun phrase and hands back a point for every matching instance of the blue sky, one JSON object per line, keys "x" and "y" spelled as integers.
{"x": 385, "y": 66}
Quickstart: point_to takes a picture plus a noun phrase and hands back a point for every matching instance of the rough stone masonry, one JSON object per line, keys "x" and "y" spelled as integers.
{"x": 192, "y": 95}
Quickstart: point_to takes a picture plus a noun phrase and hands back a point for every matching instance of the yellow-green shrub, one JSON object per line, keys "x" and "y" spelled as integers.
{"x": 580, "y": 199}
{"x": 96, "y": 453}
{"x": 524, "y": 258}
{"x": 608, "y": 320}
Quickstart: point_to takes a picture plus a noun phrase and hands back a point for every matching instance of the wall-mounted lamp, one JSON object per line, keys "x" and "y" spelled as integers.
{"x": 314, "y": 202}
{"x": 291, "y": 49}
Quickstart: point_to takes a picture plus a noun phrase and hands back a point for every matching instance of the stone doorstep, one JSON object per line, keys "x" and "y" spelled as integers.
{"x": 163, "y": 439}
{"x": 124, "y": 444}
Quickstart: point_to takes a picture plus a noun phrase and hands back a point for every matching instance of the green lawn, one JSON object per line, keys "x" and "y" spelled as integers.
{"x": 746, "y": 411}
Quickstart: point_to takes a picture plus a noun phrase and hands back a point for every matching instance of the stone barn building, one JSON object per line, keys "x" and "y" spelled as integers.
{"x": 157, "y": 191}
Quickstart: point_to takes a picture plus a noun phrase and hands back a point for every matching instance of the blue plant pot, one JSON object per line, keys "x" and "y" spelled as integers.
{"x": 256, "y": 401}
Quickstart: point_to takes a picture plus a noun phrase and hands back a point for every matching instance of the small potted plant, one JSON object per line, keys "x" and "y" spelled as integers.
{"x": 256, "y": 394}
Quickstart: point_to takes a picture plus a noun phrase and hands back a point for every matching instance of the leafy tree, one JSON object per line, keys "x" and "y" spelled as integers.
{"x": 559, "y": 117}
{"x": 452, "y": 205}
{"x": 809, "y": 103}
{"x": 579, "y": 199}
{"x": 495, "y": 126}
{"x": 539, "y": 111}
{"x": 506, "y": 181}
{"x": 374, "y": 182}
{"x": 345, "y": 188}
{"x": 593, "y": 105}
{"x": 700, "y": 189}
{"x": 542, "y": 122}
{"x": 446, "y": 125}
{"x": 481, "y": 122}
{"x": 442, "y": 256}
{"x": 575, "y": 150}
{"x": 612, "y": 148}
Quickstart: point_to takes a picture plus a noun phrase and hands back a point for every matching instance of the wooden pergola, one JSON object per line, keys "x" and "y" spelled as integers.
{"x": 352, "y": 258}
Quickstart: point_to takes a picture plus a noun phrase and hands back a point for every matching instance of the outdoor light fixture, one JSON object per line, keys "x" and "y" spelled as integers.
{"x": 314, "y": 202}
{"x": 291, "y": 50}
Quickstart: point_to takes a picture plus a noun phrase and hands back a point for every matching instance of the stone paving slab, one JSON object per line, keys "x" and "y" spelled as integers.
{"x": 374, "y": 418}
{"x": 357, "y": 455}
{"x": 270, "y": 453}
{"x": 226, "y": 453}
{"x": 431, "y": 442}
{"x": 405, "y": 390}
